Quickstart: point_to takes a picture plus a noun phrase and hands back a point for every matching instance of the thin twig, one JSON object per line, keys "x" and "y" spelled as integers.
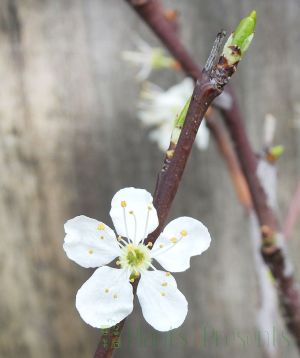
{"x": 151, "y": 12}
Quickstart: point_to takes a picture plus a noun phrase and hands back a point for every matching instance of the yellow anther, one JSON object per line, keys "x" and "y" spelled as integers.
{"x": 183, "y": 232}
{"x": 149, "y": 244}
{"x": 164, "y": 284}
{"x": 91, "y": 252}
{"x": 101, "y": 226}
{"x": 168, "y": 274}
{"x": 106, "y": 290}
{"x": 118, "y": 263}
{"x": 162, "y": 293}
{"x": 173, "y": 240}
{"x": 161, "y": 246}
{"x": 115, "y": 296}
{"x": 131, "y": 280}
{"x": 123, "y": 204}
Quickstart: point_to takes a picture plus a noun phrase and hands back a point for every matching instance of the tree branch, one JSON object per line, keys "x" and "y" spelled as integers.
{"x": 151, "y": 12}
{"x": 206, "y": 90}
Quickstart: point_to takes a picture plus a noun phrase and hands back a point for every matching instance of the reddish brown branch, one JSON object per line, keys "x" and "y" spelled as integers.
{"x": 292, "y": 214}
{"x": 225, "y": 148}
{"x": 151, "y": 12}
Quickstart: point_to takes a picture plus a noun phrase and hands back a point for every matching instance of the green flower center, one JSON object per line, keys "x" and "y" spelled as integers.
{"x": 135, "y": 257}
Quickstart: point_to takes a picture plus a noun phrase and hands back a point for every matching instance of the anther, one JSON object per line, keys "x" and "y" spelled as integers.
{"x": 91, "y": 252}
{"x": 115, "y": 296}
{"x": 173, "y": 240}
{"x": 183, "y": 233}
{"x": 162, "y": 293}
{"x": 106, "y": 290}
{"x": 168, "y": 274}
{"x": 149, "y": 244}
{"x": 161, "y": 246}
{"x": 123, "y": 204}
{"x": 101, "y": 226}
{"x": 164, "y": 284}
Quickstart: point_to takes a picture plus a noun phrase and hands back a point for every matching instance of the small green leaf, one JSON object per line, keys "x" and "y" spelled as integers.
{"x": 244, "y": 30}
{"x": 179, "y": 121}
{"x": 277, "y": 151}
{"x": 239, "y": 41}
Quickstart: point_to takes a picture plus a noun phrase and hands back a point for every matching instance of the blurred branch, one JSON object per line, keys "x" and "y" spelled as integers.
{"x": 151, "y": 12}
{"x": 207, "y": 88}
{"x": 293, "y": 213}
{"x": 226, "y": 150}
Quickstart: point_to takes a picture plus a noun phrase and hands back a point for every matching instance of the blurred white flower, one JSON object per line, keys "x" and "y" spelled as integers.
{"x": 158, "y": 109}
{"x": 148, "y": 58}
{"x": 106, "y": 297}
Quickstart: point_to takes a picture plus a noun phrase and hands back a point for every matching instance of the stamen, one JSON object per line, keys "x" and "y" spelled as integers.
{"x": 106, "y": 290}
{"x": 164, "y": 284}
{"x": 125, "y": 221}
{"x": 163, "y": 294}
{"x": 120, "y": 241}
{"x": 115, "y": 296}
{"x": 101, "y": 226}
{"x": 147, "y": 222}
{"x": 91, "y": 252}
{"x": 173, "y": 240}
{"x": 131, "y": 212}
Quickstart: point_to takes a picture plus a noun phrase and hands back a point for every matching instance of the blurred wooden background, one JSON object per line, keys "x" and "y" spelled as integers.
{"x": 69, "y": 139}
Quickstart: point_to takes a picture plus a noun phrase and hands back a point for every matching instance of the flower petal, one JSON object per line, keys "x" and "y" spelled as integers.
{"x": 181, "y": 239}
{"x": 133, "y": 214}
{"x": 89, "y": 242}
{"x": 164, "y": 307}
{"x": 105, "y": 298}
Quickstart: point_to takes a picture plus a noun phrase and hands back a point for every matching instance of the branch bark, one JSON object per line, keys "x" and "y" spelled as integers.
{"x": 151, "y": 12}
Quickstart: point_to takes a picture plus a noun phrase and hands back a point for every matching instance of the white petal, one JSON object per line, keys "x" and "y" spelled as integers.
{"x": 181, "y": 239}
{"x": 133, "y": 214}
{"x": 267, "y": 173}
{"x": 164, "y": 307}
{"x": 89, "y": 242}
{"x": 202, "y": 138}
{"x": 105, "y": 298}
{"x": 162, "y": 136}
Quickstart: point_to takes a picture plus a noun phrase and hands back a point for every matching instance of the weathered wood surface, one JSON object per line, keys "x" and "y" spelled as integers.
{"x": 69, "y": 139}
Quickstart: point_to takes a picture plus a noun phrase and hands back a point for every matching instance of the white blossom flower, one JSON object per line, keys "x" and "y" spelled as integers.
{"x": 107, "y": 296}
{"x": 158, "y": 109}
{"x": 148, "y": 58}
